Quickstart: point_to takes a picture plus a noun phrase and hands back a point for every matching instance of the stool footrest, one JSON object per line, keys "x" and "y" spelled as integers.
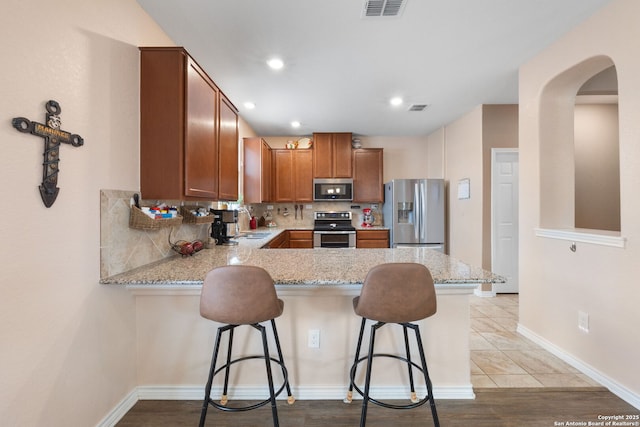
{"x": 224, "y": 400}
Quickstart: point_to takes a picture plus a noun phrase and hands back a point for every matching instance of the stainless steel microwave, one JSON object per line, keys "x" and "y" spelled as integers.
{"x": 336, "y": 189}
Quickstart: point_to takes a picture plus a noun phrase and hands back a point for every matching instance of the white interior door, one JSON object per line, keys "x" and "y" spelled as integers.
{"x": 504, "y": 218}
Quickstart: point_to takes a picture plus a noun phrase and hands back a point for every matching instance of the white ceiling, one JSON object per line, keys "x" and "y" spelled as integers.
{"x": 341, "y": 69}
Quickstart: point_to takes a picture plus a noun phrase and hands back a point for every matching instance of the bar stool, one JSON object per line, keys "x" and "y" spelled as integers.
{"x": 237, "y": 295}
{"x": 398, "y": 293}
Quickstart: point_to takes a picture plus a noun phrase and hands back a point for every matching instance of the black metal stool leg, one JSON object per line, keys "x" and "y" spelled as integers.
{"x": 414, "y": 397}
{"x": 223, "y": 398}
{"x": 207, "y": 390}
{"x": 265, "y": 345}
{"x": 290, "y": 398}
{"x": 427, "y": 379}
{"x": 367, "y": 381}
{"x": 352, "y": 375}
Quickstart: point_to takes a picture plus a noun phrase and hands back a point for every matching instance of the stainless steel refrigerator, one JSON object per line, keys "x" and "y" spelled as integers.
{"x": 413, "y": 211}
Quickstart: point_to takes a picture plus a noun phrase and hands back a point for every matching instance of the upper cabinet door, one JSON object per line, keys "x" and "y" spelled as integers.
{"x": 228, "y": 151}
{"x": 342, "y": 165}
{"x": 303, "y": 175}
{"x": 188, "y": 130}
{"x": 368, "y": 175}
{"x": 283, "y": 176}
{"x": 201, "y": 150}
{"x": 332, "y": 158}
{"x": 257, "y": 170}
{"x": 323, "y": 155}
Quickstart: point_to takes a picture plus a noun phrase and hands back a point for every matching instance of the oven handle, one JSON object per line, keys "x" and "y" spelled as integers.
{"x": 334, "y": 232}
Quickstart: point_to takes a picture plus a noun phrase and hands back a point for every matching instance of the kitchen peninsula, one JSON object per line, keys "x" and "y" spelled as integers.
{"x": 317, "y": 286}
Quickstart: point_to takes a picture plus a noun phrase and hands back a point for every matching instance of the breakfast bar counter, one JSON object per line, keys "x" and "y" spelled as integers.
{"x": 317, "y": 286}
{"x": 308, "y": 267}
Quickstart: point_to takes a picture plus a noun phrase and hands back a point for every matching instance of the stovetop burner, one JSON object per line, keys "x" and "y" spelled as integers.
{"x": 333, "y": 221}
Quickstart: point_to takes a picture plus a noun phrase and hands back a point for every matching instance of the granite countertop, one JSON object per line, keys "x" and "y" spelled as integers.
{"x": 300, "y": 266}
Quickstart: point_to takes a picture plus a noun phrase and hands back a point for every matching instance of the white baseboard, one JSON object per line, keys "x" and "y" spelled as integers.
{"x": 120, "y": 410}
{"x": 619, "y": 390}
{"x": 174, "y": 392}
{"x": 300, "y": 393}
{"x": 483, "y": 294}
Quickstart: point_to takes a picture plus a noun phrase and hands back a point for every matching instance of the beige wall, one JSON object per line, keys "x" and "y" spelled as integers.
{"x": 556, "y": 283}
{"x": 68, "y": 343}
{"x": 460, "y": 150}
{"x": 597, "y": 162}
{"x": 463, "y": 160}
{"x": 436, "y": 154}
{"x": 499, "y": 130}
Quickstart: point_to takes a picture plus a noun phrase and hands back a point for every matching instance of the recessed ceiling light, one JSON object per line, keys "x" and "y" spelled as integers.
{"x": 275, "y": 63}
{"x": 249, "y": 105}
{"x": 295, "y": 124}
{"x": 395, "y": 101}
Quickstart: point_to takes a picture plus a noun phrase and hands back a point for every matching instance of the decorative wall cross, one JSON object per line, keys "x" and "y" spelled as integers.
{"x": 53, "y": 136}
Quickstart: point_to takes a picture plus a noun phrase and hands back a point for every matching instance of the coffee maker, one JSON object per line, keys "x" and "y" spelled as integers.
{"x": 224, "y": 227}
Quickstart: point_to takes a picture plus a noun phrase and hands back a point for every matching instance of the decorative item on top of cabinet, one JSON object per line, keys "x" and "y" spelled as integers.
{"x": 372, "y": 238}
{"x": 257, "y": 170}
{"x": 180, "y": 113}
{"x": 368, "y": 175}
{"x": 292, "y": 175}
{"x": 332, "y": 158}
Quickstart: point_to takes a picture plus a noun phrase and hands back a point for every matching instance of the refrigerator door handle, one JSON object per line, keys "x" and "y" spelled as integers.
{"x": 416, "y": 212}
{"x": 423, "y": 210}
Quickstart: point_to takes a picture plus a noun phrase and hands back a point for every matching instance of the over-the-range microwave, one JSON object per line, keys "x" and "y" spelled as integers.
{"x": 332, "y": 189}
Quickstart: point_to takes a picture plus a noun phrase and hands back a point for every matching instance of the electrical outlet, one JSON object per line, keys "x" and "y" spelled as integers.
{"x": 314, "y": 338}
{"x": 374, "y": 206}
{"x": 583, "y": 321}
{"x": 308, "y": 206}
{"x": 269, "y": 207}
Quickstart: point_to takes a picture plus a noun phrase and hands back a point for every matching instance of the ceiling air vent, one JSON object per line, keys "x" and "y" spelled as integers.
{"x": 383, "y": 8}
{"x": 418, "y": 107}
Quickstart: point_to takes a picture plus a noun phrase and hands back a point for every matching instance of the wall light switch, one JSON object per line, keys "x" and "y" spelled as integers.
{"x": 583, "y": 321}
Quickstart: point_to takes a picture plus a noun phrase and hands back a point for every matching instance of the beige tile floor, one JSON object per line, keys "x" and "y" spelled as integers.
{"x": 501, "y": 358}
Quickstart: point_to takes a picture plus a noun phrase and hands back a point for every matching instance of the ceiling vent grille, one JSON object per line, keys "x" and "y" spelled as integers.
{"x": 418, "y": 107}
{"x": 383, "y": 8}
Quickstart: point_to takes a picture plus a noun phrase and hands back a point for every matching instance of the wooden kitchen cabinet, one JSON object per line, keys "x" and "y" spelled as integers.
{"x": 301, "y": 239}
{"x": 281, "y": 241}
{"x": 372, "y": 238}
{"x": 257, "y": 170}
{"x": 367, "y": 175}
{"x": 293, "y": 175}
{"x": 227, "y": 150}
{"x": 180, "y": 130}
{"x": 332, "y": 158}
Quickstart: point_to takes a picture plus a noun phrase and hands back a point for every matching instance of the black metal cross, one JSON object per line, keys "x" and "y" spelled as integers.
{"x": 53, "y": 136}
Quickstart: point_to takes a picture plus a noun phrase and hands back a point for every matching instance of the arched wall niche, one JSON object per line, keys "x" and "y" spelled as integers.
{"x": 557, "y": 149}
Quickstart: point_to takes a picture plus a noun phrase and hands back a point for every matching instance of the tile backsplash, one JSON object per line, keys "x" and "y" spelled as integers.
{"x": 123, "y": 248}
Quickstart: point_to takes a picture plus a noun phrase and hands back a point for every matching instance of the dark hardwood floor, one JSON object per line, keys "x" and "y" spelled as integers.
{"x": 492, "y": 407}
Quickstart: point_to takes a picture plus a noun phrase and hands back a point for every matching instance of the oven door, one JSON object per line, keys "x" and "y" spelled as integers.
{"x": 334, "y": 239}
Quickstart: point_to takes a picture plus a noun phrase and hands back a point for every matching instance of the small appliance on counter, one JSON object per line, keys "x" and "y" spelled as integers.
{"x": 225, "y": 226}
{"x": 367, "y": 218}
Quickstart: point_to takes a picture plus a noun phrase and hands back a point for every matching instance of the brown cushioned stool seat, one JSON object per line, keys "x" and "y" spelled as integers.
{"x": 238, "y": 295}
{"x": 399, "y": 293}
